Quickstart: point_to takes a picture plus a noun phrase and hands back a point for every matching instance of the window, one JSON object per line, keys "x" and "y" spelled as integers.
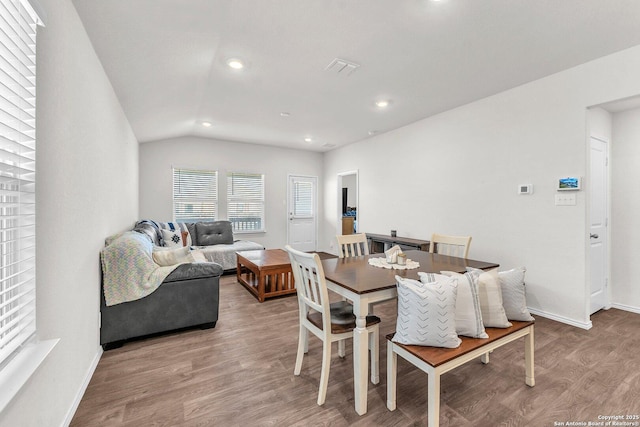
{"x": 17, "y": 176}
{"x": 245, "y": 198}
{"x": 195, "y": 195}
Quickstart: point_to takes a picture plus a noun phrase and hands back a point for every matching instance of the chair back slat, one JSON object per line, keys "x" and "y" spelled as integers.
{"x": 351, "y": 245}
{"x": 456, "y": 246}
{"x": 310, "y": 283}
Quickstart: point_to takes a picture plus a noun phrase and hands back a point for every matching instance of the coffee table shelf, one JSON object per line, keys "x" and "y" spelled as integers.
{"x": 265, "y": 273}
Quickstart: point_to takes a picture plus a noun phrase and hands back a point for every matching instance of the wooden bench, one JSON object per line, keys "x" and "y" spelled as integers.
{"x": 435, "y": 361}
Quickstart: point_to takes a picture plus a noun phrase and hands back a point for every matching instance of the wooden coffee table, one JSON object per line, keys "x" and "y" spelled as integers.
{"x": 265, "y": 273}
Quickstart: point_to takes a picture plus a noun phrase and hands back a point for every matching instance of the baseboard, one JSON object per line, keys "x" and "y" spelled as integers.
{"x": 626, "y": 308}
{"x": 83, "y": 388}
{"x": 561, "y": 319}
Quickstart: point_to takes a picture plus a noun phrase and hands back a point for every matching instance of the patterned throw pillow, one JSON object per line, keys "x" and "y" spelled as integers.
{"x": 513, "y": 294}
{"x": 172, "y": 238}
{"x": 468, "y": 312}
{"x": 426, "y": 313}
{"x": 177, "y": 228}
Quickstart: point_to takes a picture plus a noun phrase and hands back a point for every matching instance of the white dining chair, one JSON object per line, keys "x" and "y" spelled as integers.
{"x": 350, "y": 245}
{"x": 329, "y": 324}
{"x": 456, "y": 246}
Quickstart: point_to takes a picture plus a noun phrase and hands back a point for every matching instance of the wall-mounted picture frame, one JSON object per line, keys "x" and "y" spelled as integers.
{"x": 571, "y": 183}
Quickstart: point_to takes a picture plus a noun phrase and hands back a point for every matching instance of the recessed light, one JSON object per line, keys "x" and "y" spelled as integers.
{"x": 285, "y": 114}
{"x": 206, "y": 124}
{"x": 373, "y": 132}
{"x": 235, "y": 63}
{"x": 308, "y": 139}
{"x": 383, "y": 103}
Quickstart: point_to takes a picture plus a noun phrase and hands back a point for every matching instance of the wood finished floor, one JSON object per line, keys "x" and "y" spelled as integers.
{"x": 241, "y": 374}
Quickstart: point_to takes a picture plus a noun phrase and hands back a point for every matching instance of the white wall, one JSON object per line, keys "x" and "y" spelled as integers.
{"x": 625, "y": 207}
{"x": 458, "y": 172}
{"x": 158, "y": 157}
{"x": 87, "y": 188}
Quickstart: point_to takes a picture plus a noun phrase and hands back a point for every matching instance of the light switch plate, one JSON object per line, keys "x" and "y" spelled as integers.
{"x": 566, "y": 199}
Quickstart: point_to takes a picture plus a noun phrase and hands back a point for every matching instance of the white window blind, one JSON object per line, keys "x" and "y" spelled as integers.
{"x": 17, "y": 175}
{"x": 303, "y": 199}
{"x": 195, "y": 195}
{"x": 245, "y": 199}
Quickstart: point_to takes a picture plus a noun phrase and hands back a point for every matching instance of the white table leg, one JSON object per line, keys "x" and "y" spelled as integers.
{"x": 392, "y": 375}
{"x": 433, "y": 399}
{"x": 528, "y": 359}
{"x": 360, "y": 357}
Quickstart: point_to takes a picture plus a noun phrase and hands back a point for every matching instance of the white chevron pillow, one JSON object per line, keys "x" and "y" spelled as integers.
{"x": 426, "y": 313}
{"x": 468, "y": 311}
{"x": 513, "y": 294}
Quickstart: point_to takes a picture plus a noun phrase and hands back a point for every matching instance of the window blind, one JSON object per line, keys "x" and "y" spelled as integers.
{"x": 245, "y": 199}
{"x": 195, "y": 195}
{"x": 303, "y": 199}
{"x": 17, "y": 175}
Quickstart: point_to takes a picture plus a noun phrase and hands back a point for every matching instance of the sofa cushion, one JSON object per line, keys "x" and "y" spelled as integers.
{"x": 214, "y": 233}
{"x": 194, "y": 271}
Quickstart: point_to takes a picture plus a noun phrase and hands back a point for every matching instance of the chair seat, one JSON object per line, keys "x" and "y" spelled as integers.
{"x": 339, "y": 328}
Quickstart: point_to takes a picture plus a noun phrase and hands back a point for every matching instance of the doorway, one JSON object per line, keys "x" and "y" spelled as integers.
{"x": 302, "y": 198}
{"x": 598, "y": 229}
{"x": 348, "y": 212}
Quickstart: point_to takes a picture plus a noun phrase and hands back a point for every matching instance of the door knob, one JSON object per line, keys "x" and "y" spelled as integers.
{"x": 593, "y": 236}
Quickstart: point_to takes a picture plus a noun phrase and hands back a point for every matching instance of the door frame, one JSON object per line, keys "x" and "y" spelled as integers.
{"x": 315, "y": 206}
{"x": 339, "y": 199}
{"x": 607, "y": 241}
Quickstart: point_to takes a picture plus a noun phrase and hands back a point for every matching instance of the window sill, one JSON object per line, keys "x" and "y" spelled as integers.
{"x": 250, "y": 232}
{"x": 18, "y": 371}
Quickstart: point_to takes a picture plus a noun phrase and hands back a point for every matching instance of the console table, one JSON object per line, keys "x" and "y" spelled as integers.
{"x": 377, "y": 243}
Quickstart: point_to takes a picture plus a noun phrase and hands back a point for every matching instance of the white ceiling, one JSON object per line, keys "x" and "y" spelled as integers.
{"x": 167, "y": 60}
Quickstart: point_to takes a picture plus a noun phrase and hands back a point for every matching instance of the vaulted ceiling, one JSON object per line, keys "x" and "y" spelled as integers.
{"x": 168, "y": 60}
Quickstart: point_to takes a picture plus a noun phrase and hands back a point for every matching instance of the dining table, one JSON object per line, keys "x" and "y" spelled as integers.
{"x": 362, "y": 283}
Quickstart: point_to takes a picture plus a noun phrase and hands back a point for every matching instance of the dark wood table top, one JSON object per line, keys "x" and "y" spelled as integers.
{"x": 265, "y": 258}
{"x": 358, "y": 276}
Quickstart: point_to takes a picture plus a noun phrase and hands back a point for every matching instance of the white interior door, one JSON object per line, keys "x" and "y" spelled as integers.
{"x": 303, "y": 222}
{"x": 599, "y": 224}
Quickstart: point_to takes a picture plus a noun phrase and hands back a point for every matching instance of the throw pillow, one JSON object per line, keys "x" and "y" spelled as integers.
{"x": 178, "y": 228}
{"x": 493, "y": 315}
{"x": 426, "y": 313}
{"x": 172, "y": 238}
{"x": 214, "y": 233}
{"x": 513, "y": 294}
{"x": 167, "y": 257}
{"x": 468, "y": 312}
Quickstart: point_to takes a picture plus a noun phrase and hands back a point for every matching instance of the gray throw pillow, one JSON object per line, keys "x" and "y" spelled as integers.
{"x": 214, "y": 233}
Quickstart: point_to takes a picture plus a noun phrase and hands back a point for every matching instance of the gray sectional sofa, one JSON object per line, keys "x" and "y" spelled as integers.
{"x": 188, "y": 294}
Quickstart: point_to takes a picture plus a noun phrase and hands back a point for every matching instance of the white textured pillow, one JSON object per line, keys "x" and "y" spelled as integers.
{"x": 493, "y": 315}
{"x": 167, "y": 257}
{"x": 513, "y": 294}
{"x": 468, "y": 312}
{"x": 172, "y": 238}
{"x": 426, "y": 313}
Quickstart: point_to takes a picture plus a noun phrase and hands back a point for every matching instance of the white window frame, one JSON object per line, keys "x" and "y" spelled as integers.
{"x": 20, "y": 351}
{"x": 203, "y": 191}
{"x": 255, "y": 198}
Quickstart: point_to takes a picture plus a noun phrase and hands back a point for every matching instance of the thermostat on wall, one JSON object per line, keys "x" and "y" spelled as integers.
{"x": 525, "y": 189}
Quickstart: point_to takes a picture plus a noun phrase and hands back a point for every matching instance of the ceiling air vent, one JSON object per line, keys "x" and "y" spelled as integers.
{"x": 342, "y": 66}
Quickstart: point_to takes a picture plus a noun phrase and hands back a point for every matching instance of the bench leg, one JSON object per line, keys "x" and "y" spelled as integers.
{"x": 485, "y": 358}
{"x": 528, "y": 359}
{"x": 392, "y": 373}
{"x": 433, "y": 400}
